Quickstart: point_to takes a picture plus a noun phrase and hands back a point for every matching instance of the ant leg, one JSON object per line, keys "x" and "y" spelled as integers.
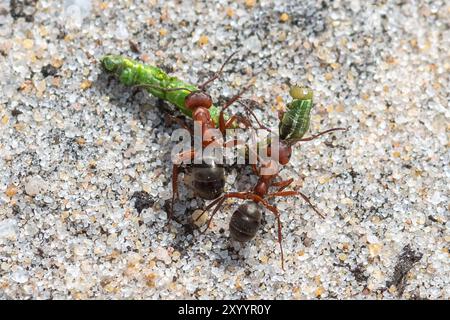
{"x": 218, "y": 203}
{"x": 261, "y": 126}
{"x": 322, "y": 133}
{"x": 228, "y": 124}
{"x": 310, "y": 204}
{"x": 245, "y": 121}
{"x": 217, "y": 74}
{"x": 296, "y": 193}
{"x": 222, "y": 123}
{"x": 282, "y": 184}
{"x": 175, "y": 171}
{"x": 250, "y": 196}
{"x": 250, "y": 111}
{"x": 280, "y": 238}
{"x": 209, "y": 206}
{"x": 180, "y": 122}
{"x": 280, "y": 234}
{"x": 233, "y": 143}
{"x": 240, "y": 195}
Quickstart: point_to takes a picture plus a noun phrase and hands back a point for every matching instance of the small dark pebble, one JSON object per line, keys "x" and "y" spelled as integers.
{"x": 40, "y": 252}
{"x": 56, "y": 139}
{"x": 197, "y": 292}
{"x": 134, "y": 46}
{"x": 188, "y": 228}
{"x": 15, "y": 209}
{"x": 23, "y": 9}
{"x": 307, "y": 242}
{"x": 16, "y": 112}
{"x": 49, "y": 70}
{"x": 359, "y": 274}
{"x": 142, "y": 200}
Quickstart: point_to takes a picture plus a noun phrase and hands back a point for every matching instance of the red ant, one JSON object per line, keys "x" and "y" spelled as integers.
{"x": 207, "y": 178}
{"x": 246, "y": 220}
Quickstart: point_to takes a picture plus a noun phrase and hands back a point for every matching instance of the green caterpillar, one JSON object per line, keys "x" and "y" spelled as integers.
{"x": 154, "y": 80}
{"x": 295, "y": 121}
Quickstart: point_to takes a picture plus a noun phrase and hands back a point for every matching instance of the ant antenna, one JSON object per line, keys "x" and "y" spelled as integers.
{"x": 250, "y": 111}
{"x": 237, "y": 96}
{"x": 217, "y": 74}
{"x": 294, "y": 141}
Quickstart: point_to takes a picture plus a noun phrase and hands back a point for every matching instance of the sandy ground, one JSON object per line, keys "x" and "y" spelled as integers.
{"x": 75, "y": 146}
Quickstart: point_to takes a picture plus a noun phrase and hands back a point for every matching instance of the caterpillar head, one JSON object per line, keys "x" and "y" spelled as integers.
{"x": 111, "y": 62}
{"x": 301, "y": 93}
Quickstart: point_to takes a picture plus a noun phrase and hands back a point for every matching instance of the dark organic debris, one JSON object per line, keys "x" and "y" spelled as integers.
{"x": 48, "y": 70}
{"x": 359, "y": 274}
{"x": 23, "y": 9}
{"x": 134, "y": 46}
{"x": 16, "y": 112}
{"x": 307, "y": 242}
{"x": 142, "y": 200}
{"x": 405, "y": 262}
{"x": 3, "y": 12}
{"x": 15, "y": 209}
{"x": 167, "y": 205}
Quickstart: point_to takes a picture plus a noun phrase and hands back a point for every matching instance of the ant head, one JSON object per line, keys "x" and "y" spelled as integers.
{"x": 285, "y": 152}
{"x": 198, "y": 99}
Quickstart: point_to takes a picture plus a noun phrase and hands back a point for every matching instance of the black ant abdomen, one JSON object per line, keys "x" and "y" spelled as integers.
{"x": 245, "y": 222}
{"x": 207, "y": 180}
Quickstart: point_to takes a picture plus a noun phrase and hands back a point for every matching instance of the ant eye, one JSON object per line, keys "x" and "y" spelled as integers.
{"x": 301, "y": 93}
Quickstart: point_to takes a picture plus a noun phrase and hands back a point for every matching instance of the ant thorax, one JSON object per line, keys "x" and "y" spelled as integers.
{"x": 269, "y": 170}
